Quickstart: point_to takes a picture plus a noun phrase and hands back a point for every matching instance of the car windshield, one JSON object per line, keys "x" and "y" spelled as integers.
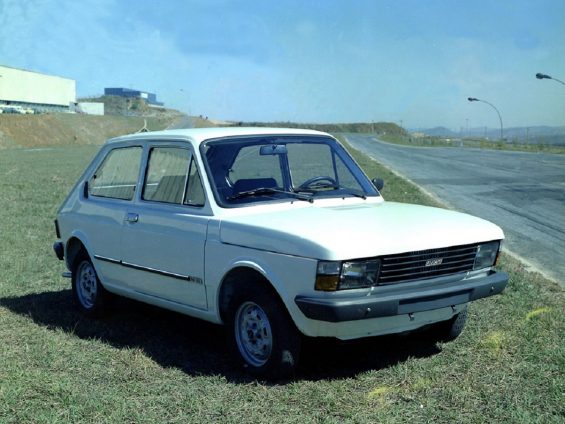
{"x": 266, "y": 169}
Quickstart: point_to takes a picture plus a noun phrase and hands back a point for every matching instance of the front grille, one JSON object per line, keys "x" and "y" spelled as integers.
{"x": 425, "y": 264}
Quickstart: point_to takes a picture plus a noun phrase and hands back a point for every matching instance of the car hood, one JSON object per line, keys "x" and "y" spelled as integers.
{"x": 356, "y": 231}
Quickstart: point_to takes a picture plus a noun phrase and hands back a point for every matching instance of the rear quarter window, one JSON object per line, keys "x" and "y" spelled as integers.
{"x": 116, "y": 177}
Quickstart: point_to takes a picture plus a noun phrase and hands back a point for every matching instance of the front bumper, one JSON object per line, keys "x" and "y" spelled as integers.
{"x": 59, "y": 250}
{"x": 402, "y": 299}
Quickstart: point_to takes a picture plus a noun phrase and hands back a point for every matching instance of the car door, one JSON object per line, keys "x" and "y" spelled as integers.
{"x": 111, "y": 190}
{"x": 164, "y": 233}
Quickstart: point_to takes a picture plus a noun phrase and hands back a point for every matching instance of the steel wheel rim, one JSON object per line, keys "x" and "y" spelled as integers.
{"x": 253, "y": 334}
{"x": 86, "y": 284}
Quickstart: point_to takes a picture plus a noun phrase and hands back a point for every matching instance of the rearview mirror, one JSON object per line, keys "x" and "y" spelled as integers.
{"x": 378, "y": 183}
{"x": 273, "y": 149}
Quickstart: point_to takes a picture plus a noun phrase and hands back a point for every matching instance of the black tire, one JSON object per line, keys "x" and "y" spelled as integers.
{"x": 448, "y": 331}
{"x": 89, "y": 295}
{"x": 261, "y": 334}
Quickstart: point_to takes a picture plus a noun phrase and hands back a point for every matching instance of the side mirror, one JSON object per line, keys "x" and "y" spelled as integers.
{"x": 378, "y": 183}
{"x": 85, "y": 190}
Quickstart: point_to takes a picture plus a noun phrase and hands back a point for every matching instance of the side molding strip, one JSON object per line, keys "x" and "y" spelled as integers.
{"x": 188, "y": 278}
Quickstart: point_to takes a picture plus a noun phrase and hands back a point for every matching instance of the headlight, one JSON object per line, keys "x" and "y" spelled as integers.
{"x": 356, "y": 275}
{"x": 487, "y": 254}
{"x": 327, "y": 275}
{"x": 333, "y": 275}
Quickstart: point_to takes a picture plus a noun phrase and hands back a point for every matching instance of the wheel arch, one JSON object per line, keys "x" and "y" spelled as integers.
{"x": 75, "y": 244}
{"x": 238, "y": 278}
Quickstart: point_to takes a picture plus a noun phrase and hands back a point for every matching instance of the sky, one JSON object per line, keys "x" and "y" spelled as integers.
{"x": 405, "y": 61}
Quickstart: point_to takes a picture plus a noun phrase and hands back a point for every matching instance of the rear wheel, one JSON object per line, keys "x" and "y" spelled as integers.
{"x": 262, "y": 335}
{"x": 88, "y": 293}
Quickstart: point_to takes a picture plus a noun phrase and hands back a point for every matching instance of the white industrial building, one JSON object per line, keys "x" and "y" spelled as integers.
{"x": 35, "y": 91}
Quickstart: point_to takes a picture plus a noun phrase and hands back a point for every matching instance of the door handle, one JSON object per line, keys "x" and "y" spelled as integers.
{"x": 131, "y": 217}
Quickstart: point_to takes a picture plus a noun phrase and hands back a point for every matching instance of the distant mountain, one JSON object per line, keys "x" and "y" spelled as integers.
{"x": 437, "y": 132}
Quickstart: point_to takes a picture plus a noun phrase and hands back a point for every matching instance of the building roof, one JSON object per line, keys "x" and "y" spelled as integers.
{"x": 34, "y": 72}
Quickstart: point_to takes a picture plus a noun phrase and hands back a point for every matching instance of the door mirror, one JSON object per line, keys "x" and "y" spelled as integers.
{"x": 378, "y": 183}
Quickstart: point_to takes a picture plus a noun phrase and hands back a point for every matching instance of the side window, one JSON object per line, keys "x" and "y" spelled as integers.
{"x": 116, "y": 177}
{"x": 172, "y": 177}
{"x": 194, "y": 191}
{"x": 166, "y": 175}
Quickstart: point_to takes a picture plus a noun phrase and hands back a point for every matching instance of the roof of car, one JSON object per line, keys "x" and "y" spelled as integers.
{"x": 198, "y": 135}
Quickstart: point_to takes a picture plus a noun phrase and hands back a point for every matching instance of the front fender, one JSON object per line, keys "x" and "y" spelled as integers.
{"x": 288, "y": 275}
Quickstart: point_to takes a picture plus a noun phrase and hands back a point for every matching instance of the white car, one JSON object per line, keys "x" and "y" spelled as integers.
{"x": 276, "y": 233}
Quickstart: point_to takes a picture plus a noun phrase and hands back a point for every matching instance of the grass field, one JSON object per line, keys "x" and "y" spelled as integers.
{"x": 144, "y": 365}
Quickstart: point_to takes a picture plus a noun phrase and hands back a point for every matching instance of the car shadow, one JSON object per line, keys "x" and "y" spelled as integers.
{"x": 199, "y": 348}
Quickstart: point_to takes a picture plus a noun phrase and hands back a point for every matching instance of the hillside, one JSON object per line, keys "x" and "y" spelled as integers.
{"x": 63, "y": 129}
{"x": 380, "y": 128}
{"x": 68, "y": 129}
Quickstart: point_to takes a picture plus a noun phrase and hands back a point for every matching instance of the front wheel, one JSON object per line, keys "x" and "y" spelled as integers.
{"x": 449, "y": 330}
{"x": 262, "y": 335}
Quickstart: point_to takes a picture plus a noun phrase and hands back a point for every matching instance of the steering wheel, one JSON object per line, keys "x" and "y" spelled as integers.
{"x": 311, "y": 181}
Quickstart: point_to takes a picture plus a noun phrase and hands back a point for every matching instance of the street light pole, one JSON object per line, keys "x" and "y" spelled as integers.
{"x": 544, "y": 76}
{"x": 474, "y": 99}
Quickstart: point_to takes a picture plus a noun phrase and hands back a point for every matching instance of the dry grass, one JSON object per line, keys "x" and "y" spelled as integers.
{"x": 68, "y": 129}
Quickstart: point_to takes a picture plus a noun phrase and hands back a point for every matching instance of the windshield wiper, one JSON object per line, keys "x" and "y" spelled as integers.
{"x": 269, "y": 190}
{"x": 348, "y": 190}
{"x": 354, "y": 192}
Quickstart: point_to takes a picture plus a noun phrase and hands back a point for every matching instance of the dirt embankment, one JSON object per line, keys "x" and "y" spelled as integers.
{"x": 64, "y": 129}
{"x": 359, "y": 127}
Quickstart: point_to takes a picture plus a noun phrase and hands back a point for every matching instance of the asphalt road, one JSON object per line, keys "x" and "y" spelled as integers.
{"x": 183, "y": 122}
{"x": 524, "y": 193}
